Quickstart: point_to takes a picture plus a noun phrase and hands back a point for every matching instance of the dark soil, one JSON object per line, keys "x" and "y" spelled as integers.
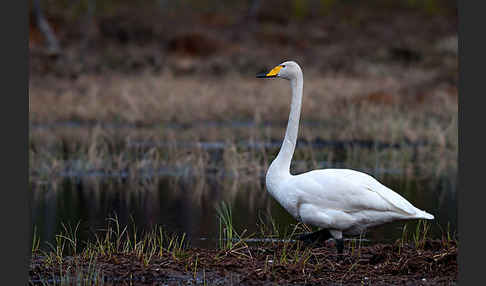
{"x": 434, "y": 263}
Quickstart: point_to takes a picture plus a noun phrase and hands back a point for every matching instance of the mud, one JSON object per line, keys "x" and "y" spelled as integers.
{"x": 433, "y": 263}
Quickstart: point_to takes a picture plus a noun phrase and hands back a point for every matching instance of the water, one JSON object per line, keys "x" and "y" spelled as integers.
{"x": 186, "y": 204}
{"x": 182, "y": 196}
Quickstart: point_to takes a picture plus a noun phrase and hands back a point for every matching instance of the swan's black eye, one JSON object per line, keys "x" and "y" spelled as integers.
{"x": 283, "y": 66}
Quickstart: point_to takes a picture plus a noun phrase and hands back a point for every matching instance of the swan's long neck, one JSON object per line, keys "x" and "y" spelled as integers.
{"x": 284, "y": 157}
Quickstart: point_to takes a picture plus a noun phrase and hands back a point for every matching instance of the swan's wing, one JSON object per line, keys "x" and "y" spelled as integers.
{"x": 350, "y": 191}
{"x": 371, "y": 184}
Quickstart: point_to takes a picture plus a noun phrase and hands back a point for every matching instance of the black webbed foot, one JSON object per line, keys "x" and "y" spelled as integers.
{"x": 315, "y": 237}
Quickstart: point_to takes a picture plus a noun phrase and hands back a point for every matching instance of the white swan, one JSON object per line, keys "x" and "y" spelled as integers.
{"x": 337, "y": 200}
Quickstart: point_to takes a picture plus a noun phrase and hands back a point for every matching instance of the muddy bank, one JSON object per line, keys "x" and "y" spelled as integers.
{"x": 433, "y": 262}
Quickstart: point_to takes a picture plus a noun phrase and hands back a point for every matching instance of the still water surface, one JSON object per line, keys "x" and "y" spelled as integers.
{"x": 187, "y": 205}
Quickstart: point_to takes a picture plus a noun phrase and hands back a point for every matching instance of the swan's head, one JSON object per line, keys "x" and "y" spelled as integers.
{"x": 286, "y": 70}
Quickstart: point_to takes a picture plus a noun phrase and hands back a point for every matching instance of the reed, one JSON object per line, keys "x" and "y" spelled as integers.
{"x": 226, "y": 231}
{"x": 421, "y": 233}
{"x": 35, "y": 241}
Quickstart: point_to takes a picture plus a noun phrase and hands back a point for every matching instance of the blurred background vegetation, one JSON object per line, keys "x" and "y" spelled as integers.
{"x": 232, "y": 36}
{"x": 151, "y": 107}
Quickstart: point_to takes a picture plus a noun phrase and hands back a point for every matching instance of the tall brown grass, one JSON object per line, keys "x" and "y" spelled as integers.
{"x": 139, "y": 124}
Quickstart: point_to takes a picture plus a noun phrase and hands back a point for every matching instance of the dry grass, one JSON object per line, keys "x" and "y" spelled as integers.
{"x": 163, "y": 99}
{"x": 123, "y": 120}
{"x": 149, "y": 127}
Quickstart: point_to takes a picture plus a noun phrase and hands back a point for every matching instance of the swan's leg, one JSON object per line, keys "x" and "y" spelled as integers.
{"x": 340, "y": 246}
{"x": 338, "y": 236}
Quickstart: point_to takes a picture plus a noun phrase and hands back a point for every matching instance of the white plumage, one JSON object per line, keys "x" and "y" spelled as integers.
{"x": 339, "y": 200}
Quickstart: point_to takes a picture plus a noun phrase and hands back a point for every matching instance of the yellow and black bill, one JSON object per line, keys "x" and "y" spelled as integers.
{"x": 272, "y": 73}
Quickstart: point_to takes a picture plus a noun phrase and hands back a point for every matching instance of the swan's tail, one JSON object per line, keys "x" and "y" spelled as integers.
{"x": 424, "y": 215}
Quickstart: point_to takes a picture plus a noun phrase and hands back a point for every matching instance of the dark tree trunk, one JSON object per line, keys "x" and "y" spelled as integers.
{"x": 52, "y": 43}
